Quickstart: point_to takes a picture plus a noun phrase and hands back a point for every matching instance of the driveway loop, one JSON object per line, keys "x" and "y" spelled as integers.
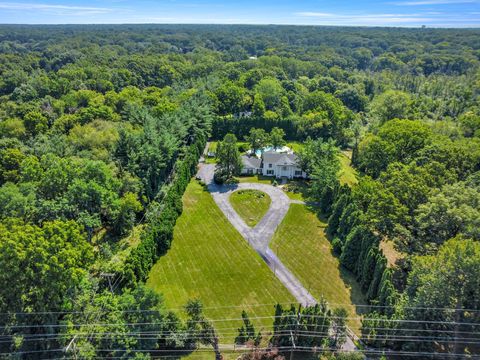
{"x": 259, "y": 237}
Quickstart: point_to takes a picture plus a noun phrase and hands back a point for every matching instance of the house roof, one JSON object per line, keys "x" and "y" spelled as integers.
{"x": 276, "y": 158}
{"x": 251, "y": 162}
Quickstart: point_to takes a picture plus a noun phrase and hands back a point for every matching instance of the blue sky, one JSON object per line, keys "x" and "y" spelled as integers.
{"x": 412, "y": 13}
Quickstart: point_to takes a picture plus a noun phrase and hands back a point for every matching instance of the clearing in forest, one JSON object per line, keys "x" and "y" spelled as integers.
{"x": 210, "y": 260}
{"x": 250, "y": 205}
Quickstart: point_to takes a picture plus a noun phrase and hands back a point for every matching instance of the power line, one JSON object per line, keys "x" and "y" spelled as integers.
{"x": 253, "y": 318}
{"x": 159, "y": 335}
{"x": 286, "y": 348}
{"x": 248, "y": 306}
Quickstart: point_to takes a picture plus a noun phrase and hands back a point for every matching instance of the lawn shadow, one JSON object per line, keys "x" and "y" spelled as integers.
{"x": 298, "y": 186}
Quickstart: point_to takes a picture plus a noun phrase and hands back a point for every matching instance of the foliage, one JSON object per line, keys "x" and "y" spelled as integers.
{"x": 156, "y": 239}
{"x": 199, "y": 329}
{"x": 320, "y": 160}
{"x": 443, "y": 287}
{"x": 276, "y": 138}
{"x": 257, "y": 139}
{"x": 292, "y": 327}
{"x": 46, "y": 266}
{"x": 453, "y": 210}
{"x": 102, "y": 126}
{"x": 229, "y": 162}
{"x": 247, "y": 332}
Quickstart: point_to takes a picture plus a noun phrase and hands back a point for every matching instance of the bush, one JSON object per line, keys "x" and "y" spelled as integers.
{"x": 219, "y": 177}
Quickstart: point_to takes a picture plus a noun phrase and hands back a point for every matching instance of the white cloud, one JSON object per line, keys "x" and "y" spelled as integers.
{"x": 55, "y": 9}
{"x": 365, "y": 19}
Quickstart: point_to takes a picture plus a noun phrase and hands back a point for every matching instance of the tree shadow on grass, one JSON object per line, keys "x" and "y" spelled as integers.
{"x": 357, "y": 296}
{"x": 298, "y": 186}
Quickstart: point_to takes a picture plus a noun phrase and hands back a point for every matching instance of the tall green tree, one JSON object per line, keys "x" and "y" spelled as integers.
{"x": 392, "y": 104}
{"x": 277, "y": 137}
{"x": 257, "y": 139}
{"x": 46, "y": 266}
{"x": 320, "y": 160}
{"x": 452, "y": 211}
{"x": 229, "y": 162}
{"x": 440, "y": 290}
{"x": 199, "y": 329}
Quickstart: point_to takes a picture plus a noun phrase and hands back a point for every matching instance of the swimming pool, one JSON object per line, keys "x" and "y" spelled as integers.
{"x": 283, "y": 149}
{"x": 259, "y": 152}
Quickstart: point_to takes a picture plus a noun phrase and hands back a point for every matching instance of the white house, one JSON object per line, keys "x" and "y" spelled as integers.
{"x": 281, "y": 165}
{"x": 252, "y": 165}
{"x": 273, "y": 163}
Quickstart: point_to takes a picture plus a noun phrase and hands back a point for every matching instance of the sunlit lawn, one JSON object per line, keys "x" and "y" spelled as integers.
{"x": 348, "y": 175}
{"x": 301, "y": 244}
{"x": 296, "y": 146}
{"x": 251, "y": 205}
{"x": 210, "y": 260}
{"x": 256, "y": 179}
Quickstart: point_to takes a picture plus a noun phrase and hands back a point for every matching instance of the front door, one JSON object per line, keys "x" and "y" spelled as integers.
{"x": 283, "y": 171}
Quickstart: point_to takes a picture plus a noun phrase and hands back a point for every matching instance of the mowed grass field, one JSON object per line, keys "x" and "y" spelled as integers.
{"x": 209, "y": 260}
{"x": 301, "y": 244}
{"x": 251, "y": 205}
{"x": 348, "y": 175}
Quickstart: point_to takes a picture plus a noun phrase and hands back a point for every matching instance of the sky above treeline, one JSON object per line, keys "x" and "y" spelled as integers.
{"x": 405, "y": 13}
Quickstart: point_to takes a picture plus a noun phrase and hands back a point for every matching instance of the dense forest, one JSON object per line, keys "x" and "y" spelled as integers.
{"x": 101, "y": 129}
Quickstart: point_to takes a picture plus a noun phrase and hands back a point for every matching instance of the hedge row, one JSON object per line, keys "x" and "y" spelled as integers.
{"x": 158, "y": 235}
{"x": 358, "y": 247}
{"x": 241, "y": 126}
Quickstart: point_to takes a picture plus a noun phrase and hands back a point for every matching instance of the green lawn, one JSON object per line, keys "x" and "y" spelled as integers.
{"x": 251, "y": 205}
{"x": 210, "y": 260}
{"x": 301, "y": 244}
{"x": 296, "y": 146}
{"x": 256, "y": 179}
{"x": 348, "y": 175}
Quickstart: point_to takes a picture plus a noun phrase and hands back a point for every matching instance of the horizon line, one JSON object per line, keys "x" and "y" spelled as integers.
{"x": 247, "y": 24}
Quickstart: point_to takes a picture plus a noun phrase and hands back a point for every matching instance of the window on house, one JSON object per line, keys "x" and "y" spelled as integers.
{"x": 269, "y": 172}
{"x": 269, "y": 165}
{"x": 284, "y": 168}
{"x": 250, "y": 171}
{"x": 298, "y": 172}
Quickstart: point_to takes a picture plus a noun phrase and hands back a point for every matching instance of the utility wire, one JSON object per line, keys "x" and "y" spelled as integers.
{"x": 246, "y": 306}
{"x": 251, "y": 318}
